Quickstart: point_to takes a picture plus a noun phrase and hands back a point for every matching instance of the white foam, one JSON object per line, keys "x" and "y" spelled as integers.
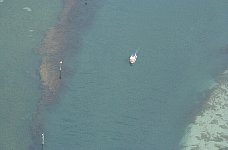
{"x": 1, "y": 1}
{"x": 27, "y": 8}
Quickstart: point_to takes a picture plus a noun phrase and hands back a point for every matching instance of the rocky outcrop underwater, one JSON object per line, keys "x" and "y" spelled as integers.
{"x": 209, "y": 131}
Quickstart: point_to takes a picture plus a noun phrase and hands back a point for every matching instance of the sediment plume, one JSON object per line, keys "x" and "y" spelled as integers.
{"x": 210, "y": 128}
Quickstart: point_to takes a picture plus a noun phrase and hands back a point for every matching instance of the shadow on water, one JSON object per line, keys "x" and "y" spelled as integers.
{"x": 60, "y": 42}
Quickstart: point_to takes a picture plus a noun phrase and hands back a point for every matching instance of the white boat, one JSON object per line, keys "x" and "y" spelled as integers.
{"x": 133, "y": 58}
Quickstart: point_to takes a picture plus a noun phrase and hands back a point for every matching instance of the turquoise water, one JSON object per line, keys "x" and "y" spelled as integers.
{"x": 21, "y": 34}
{"x": 108, "y": 104}
{"x": 104, "y": 102}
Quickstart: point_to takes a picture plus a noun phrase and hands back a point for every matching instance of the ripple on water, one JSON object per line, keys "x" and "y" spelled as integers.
{"x": 27, "y": 8}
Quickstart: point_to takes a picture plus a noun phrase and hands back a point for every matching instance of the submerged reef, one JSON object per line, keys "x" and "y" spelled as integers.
{"x": 54, "y": 43}
{"x": 60, "y": 41}
{"x": 209, "y": 131}
{"x": 51, "y": 49}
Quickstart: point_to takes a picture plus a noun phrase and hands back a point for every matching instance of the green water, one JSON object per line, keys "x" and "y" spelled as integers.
{"x": 104, "y": 103}
{"x": 21, "y": 34}
{"x": 108, "y": 104}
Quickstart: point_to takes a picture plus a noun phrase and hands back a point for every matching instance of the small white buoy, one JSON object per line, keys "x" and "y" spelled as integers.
{"x": 60, "y": 65}
{"x": 42, "y": 135}
{"x": 60, "y": 69}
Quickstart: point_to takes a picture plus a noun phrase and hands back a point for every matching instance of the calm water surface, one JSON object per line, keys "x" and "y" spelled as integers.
{"x": 108, "y": 104}
{"x": 104, "y": 102}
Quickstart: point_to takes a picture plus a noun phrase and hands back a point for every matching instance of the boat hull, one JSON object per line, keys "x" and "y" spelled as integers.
{"x": 132, "y": 59}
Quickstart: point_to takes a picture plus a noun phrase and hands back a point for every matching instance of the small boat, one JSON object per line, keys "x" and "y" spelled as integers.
{"x": 133, "y": 58}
